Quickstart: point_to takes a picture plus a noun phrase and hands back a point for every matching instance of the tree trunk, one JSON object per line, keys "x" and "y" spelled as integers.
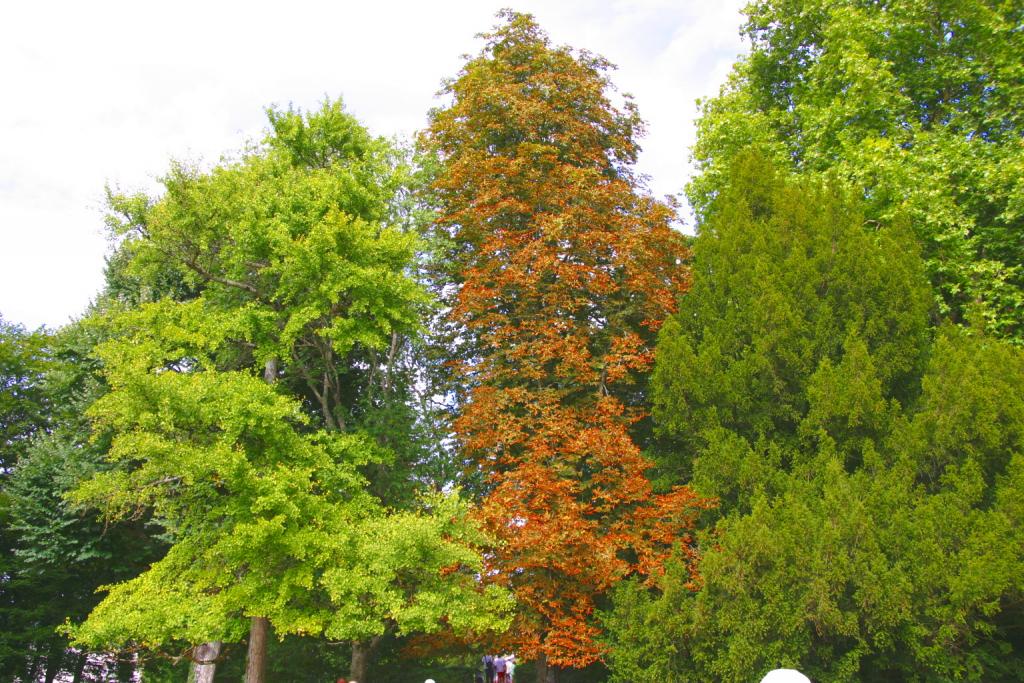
{"x": 256, "y": 658}
{"x": 546, "y": 673}
{"x": 204, "y": 662}
{"x": 125, "y": 668}
{"x": 362, "y": 655}
{"x": 259, "y": 627}
{"x": 270, "y": 371}
{"x": 33, "y": 667}
{"x": 54, "y": 658}
{"x": 83, "y": 657}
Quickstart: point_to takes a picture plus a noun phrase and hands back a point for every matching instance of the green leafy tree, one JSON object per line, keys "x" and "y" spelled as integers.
{"x": 23, "y": 412}
{"x": 59, "y": 558}
{"x": 266, "y": 517}
{"x": 869, "y": 477}
{"x": 785, "y": 278}
{"x": 917, "y": 103}
{"x": 299, "y": 278}
{"x": 55, "y": 556}
{"x": 24, "y": 359}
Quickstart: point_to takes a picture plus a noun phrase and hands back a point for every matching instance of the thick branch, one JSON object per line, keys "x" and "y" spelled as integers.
{"x": 191, "y": 263}
{"x": 321, "y": 396}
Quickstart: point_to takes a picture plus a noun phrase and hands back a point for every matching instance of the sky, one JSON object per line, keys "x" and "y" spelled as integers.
{"x": 108, "y": 93}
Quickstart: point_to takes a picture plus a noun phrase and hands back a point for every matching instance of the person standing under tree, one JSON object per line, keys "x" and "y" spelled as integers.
{"x": 488, "y": 669}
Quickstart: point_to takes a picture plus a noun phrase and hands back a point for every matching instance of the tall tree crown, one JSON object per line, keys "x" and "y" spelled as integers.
{"x": 917, "y": 103}
{"x": 565, "y": 268}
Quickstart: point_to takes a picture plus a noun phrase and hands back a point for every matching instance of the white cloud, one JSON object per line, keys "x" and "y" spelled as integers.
{"x": 111, "y": 91}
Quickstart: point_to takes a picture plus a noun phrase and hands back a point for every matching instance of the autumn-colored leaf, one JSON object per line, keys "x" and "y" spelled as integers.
{"x": 567, "y": 269}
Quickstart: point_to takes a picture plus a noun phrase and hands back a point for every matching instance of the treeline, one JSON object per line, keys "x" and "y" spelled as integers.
{"x": 350, "y": 408}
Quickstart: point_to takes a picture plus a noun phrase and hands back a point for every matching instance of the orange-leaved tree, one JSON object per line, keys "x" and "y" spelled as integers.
{"x": 564, "y": 270}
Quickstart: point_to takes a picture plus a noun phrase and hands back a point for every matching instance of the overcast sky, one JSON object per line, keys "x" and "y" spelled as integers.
{"x": 108, "y": 92}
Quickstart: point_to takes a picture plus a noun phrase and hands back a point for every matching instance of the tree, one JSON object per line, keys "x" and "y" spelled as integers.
{"x": 266, "y": 518}
{"x": 54, "y": 555}
{"x": 563, "y": 271}
{"x": 23, "y": 403}
{"x": 915, "y": 102}
{"x": 879, "y": 572}
{"x": 785, "y": 274}
{"x": 23, "y": 412}
{"x": 867, "y": 467}
{"x": 59, "y": 557}
{"x": 297, "y": 278}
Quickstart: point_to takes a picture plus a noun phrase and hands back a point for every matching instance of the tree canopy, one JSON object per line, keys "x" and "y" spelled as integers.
{"x": 231, "y": 413}
{"x": 398, "y": 405}
{"x": 917, "y": 103}
{"x": 866, "y": 466}
{"x": 565, "y": 270}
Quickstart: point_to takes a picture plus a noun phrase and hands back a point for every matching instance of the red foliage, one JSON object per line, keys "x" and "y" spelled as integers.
{"x": 567, "y": 271}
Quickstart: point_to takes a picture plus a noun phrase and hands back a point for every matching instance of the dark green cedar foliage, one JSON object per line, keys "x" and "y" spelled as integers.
{"x": 870, "y": 470}
{"x": 784, "y": 277}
